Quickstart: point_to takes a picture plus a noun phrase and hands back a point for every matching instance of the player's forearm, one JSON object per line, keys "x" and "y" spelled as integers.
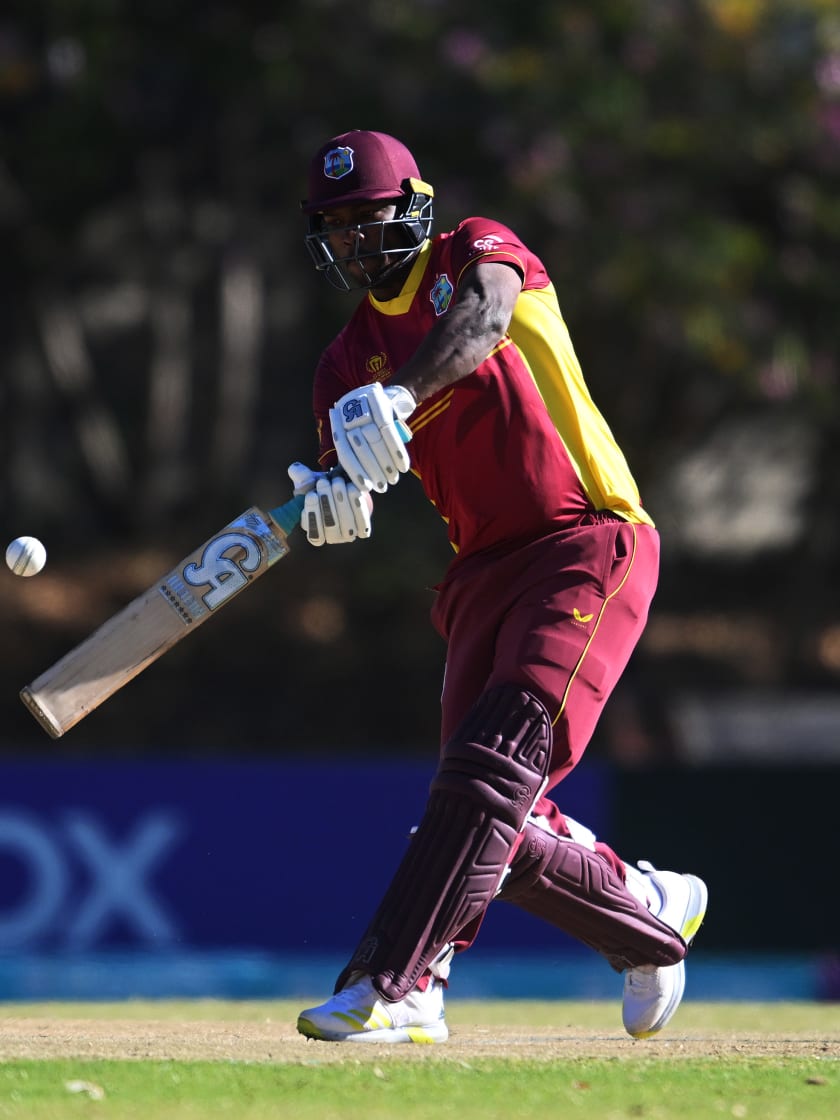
{"x": 447, "y": 355}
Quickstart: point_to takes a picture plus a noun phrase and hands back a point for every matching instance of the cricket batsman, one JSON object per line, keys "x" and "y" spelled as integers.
{"x": 457, "y": 365}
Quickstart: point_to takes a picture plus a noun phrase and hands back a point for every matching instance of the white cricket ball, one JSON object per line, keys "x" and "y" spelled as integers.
{"x": 26, "y": 556}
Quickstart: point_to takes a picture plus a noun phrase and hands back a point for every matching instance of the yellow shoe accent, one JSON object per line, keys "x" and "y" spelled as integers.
{"x": 690, "y": 929}
{"x": 354, "y": 1018}
{"x": 309, "y": 1029}
{"x": 418, "y": 1034}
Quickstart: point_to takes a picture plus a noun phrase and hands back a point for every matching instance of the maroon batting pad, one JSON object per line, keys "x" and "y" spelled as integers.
{"x": 576, "y": 890}
{"x": 490, "y": 774}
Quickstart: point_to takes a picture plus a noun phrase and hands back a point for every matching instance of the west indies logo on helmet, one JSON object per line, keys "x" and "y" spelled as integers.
{"x": 338, "y": 162}
{"x": 357, "y": 167}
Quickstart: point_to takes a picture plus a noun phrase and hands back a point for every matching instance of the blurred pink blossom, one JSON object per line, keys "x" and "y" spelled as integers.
{"x": 829, "y": 117}
{"x": 464, "y": 48}
{"x": 828, "y": 73}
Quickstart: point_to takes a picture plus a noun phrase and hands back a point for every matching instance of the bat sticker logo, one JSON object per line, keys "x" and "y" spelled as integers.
{"x": 224, "y": 575}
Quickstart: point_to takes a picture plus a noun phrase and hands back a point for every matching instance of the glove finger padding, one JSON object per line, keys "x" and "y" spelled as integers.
{"x": 311, "y": 521}
{"x": 361, "y": 506}
{"x": 369, "y": 434}
{"x": 336, "y": 512}
{"x": 356, "y": 453}
{"x": 397, "y": 433}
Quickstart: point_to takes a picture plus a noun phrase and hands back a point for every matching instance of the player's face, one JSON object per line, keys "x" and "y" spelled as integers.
{"x": 358, "y": 236}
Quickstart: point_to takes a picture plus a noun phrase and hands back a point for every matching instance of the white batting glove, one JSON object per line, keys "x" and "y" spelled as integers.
{"x": 334, "y": 510}
{"x": 370, "y": 436}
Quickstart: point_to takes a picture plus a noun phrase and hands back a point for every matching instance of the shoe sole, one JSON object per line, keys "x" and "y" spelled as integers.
{"x": 695, "y": 913}
{"x": 436, "y": 1032}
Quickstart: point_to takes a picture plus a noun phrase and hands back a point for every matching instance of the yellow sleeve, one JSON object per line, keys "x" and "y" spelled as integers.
{"x": 542, "y": 338}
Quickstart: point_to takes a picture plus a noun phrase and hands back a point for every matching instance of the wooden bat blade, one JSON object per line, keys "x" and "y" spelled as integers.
{"x": 172, "y": 608}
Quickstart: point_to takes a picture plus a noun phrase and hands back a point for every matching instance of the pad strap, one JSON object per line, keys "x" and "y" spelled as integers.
{"x": 577, "y": 891}
{"x": 491, "y": 773}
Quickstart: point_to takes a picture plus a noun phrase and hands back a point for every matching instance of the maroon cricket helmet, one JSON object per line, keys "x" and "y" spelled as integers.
{"x": 357, "y": 166}
{"x": 363, "y": 167}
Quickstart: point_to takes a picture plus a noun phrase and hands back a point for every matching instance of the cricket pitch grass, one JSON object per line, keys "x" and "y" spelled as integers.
{"x": 507, "y": 1060}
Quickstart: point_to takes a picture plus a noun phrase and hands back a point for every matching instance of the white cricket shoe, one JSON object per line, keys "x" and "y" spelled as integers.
{"x": 652, "y": 994}
{"x": 359, "y": 1014}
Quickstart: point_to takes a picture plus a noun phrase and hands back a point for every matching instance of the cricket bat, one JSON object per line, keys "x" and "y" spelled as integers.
{"x": 155, "y": 621}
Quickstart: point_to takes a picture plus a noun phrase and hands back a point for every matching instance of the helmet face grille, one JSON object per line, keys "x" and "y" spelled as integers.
{"x": 357, "y": 271}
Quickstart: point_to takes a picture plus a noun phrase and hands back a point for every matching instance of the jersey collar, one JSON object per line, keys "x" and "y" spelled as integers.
{"x": 401, "y": 303}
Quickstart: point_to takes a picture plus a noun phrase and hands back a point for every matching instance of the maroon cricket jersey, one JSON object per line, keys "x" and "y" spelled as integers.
{"x": 516, "y": 449}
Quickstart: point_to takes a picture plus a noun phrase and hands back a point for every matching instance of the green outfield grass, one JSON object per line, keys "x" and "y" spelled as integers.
{"x": 505, "y": 1060}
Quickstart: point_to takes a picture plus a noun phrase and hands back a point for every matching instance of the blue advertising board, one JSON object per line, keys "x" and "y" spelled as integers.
{"x": 254, "y": 879}
{"x": 289, "y": 856}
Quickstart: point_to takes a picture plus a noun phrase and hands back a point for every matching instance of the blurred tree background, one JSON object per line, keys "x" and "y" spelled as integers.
{"x": 676, "y": 164}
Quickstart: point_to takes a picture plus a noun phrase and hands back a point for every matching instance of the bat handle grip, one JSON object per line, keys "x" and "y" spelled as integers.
{"x": 287, "y": 516}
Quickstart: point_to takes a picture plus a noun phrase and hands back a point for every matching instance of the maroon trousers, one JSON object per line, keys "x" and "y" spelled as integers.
{"x": 560, "y": 617}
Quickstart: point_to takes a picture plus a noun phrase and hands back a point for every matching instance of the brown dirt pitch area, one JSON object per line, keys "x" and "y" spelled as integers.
{"x": 265, "y": 1032}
